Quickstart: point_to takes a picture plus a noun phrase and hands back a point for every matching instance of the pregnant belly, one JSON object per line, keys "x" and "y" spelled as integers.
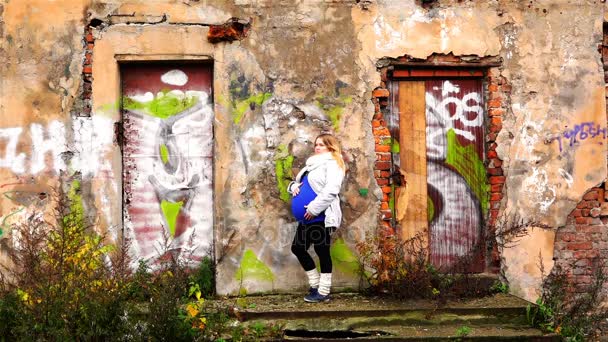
{"x": 299, "y": 202}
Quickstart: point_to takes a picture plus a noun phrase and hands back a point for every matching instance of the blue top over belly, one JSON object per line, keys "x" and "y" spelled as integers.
{"x": 305, "y": 196}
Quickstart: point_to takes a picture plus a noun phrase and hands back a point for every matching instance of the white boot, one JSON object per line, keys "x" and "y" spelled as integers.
{"x": 313, "y": 278}
{"x": 325, "y": 284}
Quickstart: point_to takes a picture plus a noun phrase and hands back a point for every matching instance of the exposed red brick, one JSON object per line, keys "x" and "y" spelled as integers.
{"x": 230, "y": 31}
{"x": 495, "y": 196}
{"x": 497, "y": 179}
{"x": 496, "y": 187}
{"x": 581, "y": 220}
{"x": 495, "y": 103}
{"x": 87, "y": 70}
{"x": 579, "y": 246}
{"x": 383, "y": 165}
{"x": 576, "y": 213}
{"x": 376, "y": 123}
{"x": 383, "y": 148}
{"x": 506, "y": 88}
{"x": 386, "y": 214}
{"x": 382, "y": 132}
{"x": 89, "y": 38}
{"x": 382, "y": 181}
{"x": 496, "y": 162}
{"x": 492, "y": 154}
{"x": 380, "y": 93}
{"x": 589, "y": 229}
{"x": 591, "y": 195}
{"x": 497, "y": 171}
{"x": 496, "y": 112}
{"x": 384, "y": 206}
{"x": 383, "y": 156}
{"x": 493, "y": 87}
{"x": 495, "y": 128}
{"x": 386, "y": 189}
{"x": 385, "y": 174}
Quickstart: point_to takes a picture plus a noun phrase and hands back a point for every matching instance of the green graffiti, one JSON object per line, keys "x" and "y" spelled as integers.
{"x": 335, "y": 114}
{"x": 283, "y": 164}
{"x": 395, "y": 146}
{"x": 164, "y": 153}
{"x": 363, "y": 192}
{"x": 4, "y": 226}
{"x": 430, "y": 206}
{"x": 468, "y": 164}
{"x": 343, "y": 257}
{"x": 252, "y": 267}
{"x": 241, "y": 107}
{"x": 171, "y": 210}
{"x": 334, "y": 111}
{"x": 386, "y": 141}
{"x": 163, "y": 106}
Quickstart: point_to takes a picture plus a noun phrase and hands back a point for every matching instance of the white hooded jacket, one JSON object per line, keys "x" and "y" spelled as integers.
{"x": 325, "y": 178}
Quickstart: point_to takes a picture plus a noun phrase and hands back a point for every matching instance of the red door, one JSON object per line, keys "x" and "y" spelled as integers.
{"x": 441, "y": 149}
{"x": 456, "y": 176}
{"x": 167, "y": 158}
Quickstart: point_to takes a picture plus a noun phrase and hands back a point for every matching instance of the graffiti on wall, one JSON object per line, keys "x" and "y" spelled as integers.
{"x": 579, "y": 133}
{"x": 167, "y": 159}
{"x": 456, "y": 176}
{"x": 93, "y": 138}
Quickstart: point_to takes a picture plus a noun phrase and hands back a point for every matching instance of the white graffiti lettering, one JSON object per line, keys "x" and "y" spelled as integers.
{"x": 55, "y": 143}
{"x": 11, "y": 160}
{"x": 439, "y": 120}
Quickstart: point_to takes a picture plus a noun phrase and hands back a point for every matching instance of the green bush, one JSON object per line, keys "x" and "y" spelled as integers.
{"x": 563, "y": 310}
{"x": 65, "y": 283}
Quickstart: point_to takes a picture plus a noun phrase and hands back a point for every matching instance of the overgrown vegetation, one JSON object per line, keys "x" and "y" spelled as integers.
{"x": 400, "y": 268}
{"x": 64, "y": 282}
{"x": 563, "y": 310}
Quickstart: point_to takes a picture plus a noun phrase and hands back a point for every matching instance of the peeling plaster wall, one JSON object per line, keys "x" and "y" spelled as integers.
{"x": 305, "y": 67}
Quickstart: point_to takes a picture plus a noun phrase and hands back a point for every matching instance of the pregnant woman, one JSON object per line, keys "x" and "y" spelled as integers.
{"x": 316, "y": 206}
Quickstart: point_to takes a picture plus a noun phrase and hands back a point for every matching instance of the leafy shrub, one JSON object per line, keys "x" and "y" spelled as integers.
{"x": 60, "y": 284}
{"x": 562, "y": 310}
{"x": 65, "y": 283}
{"x": 401, "y": 269}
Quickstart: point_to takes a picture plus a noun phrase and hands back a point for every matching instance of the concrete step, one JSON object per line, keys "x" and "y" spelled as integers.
{"x": 351, "y": 316}
{"x": 500, "y": 308}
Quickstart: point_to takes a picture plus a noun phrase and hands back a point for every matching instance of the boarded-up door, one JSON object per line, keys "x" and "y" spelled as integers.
{"x": 444, "y": 164}
{"x": 167, "y": 158}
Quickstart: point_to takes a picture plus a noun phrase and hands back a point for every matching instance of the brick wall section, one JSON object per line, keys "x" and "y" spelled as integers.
{"x": 383, "y": 165}
{"x": 584, "y": 238}
{"x": 87, "y": 71}
{"x": 498, "y": 93}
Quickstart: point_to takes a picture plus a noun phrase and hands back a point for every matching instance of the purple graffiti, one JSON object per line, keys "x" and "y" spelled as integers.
{"x": 581, "y": 132}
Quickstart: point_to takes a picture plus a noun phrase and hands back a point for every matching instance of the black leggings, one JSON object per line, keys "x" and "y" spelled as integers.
{"x": 313, "y": 234}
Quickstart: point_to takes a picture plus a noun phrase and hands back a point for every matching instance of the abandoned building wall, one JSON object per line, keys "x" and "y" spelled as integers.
{"x": 301, "y": 67}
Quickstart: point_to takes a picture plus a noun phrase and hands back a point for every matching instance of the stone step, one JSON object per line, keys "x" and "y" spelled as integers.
{"x": 352, "y": 316}
{"x": 487, "y": 310}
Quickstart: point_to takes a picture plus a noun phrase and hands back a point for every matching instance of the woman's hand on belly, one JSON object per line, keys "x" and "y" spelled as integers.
{"x": 308, "y": 215}
{"x": 295, "y": 189}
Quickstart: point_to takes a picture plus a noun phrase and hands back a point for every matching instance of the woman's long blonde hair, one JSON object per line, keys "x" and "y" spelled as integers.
{"x": 333, "y": 146}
